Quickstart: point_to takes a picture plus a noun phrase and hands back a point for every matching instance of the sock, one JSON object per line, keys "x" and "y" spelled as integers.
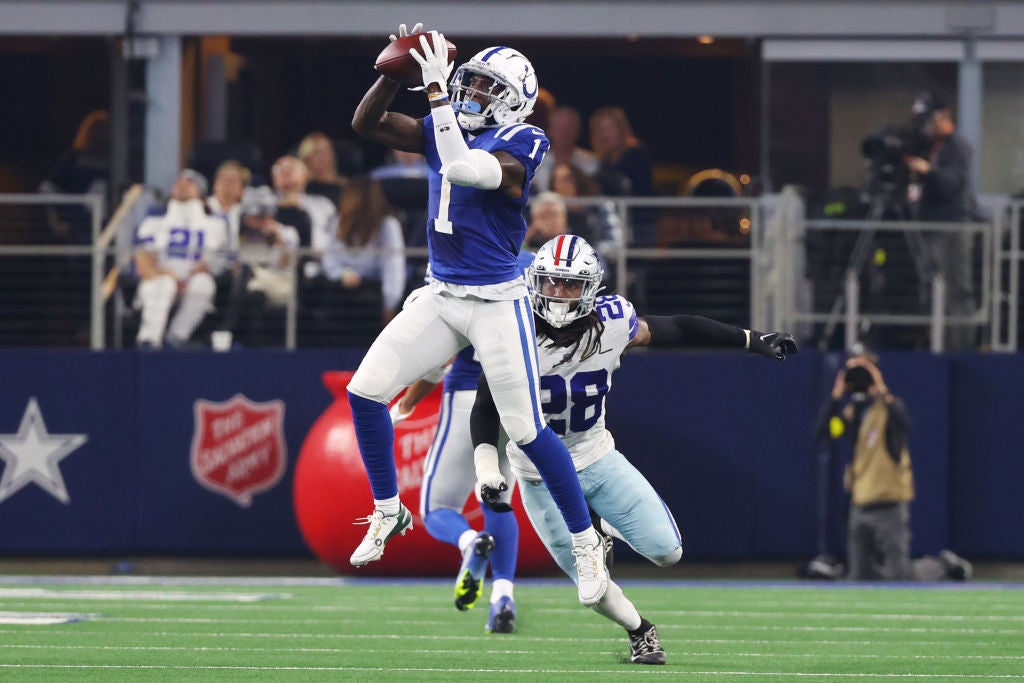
{"x": 502, "y": 588}
{"x": 552, "y": 459}
{"x": 389, "y": 506}
{"x": 505, "y": 529}
{"x": 466, "y": 538}
{"x": 641, "y": 629}
{"x": 617, "y": 607}
{"x": 446, "y": 525}
{"x": 376, "y": 439}
{"x": 587, "y": 537}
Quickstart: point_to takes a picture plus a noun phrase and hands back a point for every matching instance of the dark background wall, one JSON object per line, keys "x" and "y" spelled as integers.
{"x": 726, "y": 439}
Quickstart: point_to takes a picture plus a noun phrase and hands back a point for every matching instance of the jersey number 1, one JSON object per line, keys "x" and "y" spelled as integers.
{"x": 441, "y": 223}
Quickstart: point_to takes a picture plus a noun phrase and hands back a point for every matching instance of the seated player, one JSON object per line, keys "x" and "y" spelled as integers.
{"x": 580, "y": 337}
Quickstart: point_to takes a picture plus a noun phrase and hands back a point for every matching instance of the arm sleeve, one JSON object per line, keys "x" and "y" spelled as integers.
{"x": 460, "y": 164}
{"x": 484, "y": 422}
{"x": 693, "y": 330}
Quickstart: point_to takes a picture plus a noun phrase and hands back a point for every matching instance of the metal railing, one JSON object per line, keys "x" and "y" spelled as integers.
{"x": 751, "y": 260}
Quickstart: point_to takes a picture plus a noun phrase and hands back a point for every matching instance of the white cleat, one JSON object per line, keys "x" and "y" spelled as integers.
{"x": 382, "y": 529}
{"x": 592, "y": 573}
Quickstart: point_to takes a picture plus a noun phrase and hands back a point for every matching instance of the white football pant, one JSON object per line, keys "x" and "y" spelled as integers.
{"x": 433, "y": 327}
{"x": 156, "y": 297}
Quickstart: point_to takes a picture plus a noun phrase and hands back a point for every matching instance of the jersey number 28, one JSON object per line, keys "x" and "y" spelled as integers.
{"x": 583, "y": 394}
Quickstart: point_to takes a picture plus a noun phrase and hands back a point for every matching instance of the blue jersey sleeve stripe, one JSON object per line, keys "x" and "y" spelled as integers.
{"x": 633, "y": 326}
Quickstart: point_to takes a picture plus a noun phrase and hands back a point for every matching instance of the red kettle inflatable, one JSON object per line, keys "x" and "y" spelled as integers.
{"x": 331, "y": 491}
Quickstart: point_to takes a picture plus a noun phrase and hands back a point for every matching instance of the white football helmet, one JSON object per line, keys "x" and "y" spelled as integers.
{"x": 511, "y": 96}
{"x": 565, "y": 260}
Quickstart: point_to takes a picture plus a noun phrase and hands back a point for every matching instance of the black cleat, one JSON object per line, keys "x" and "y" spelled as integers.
{"x": 502, "y": 618}
{"x": 645, "y": 648}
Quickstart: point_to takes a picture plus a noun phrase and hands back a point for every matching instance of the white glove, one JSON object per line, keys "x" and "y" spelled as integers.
{"x": 396, "y": 413}
{"x": 434, "y": 61}
{"x": 402, "y": 33}
{"x": 485, "y": 461}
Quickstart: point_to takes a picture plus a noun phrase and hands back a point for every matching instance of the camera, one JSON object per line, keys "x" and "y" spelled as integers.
{"x": 858, "y": 382}
{"x": 885, "y": 191}
{"x": 888, "y": 146}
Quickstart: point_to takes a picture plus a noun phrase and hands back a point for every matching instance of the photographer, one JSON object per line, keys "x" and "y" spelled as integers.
{"x": 879, "y": 478}
{"x": 941, "y": 171}
{"x": 942, "y": 189}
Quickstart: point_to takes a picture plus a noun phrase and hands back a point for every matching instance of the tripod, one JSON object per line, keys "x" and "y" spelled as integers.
{"x": 887, "y": 203}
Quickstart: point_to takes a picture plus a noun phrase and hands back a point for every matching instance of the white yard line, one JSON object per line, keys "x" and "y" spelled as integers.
{"x": 157, "y": 595}
{"x": 623, "y": 670}
{"x": 485, "y": 651}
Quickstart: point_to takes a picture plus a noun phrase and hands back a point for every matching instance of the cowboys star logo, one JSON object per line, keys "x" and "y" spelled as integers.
{"x": 33, "y": 455}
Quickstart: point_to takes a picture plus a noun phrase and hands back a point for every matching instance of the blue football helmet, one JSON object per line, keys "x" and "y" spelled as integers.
{"x": 501, "y": 76}
{"x": 567, "y": 263}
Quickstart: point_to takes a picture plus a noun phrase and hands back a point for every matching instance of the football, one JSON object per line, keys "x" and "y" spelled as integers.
{"x": 395, "y": 62}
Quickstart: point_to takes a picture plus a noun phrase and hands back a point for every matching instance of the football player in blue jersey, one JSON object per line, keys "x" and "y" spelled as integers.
{"x": 449, "y": 477}
{"x": 581, "y": 337}
{"x": 482, "y": 158}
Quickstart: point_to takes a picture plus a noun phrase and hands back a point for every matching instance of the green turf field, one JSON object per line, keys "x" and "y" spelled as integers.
{"x": 333, "y": 630}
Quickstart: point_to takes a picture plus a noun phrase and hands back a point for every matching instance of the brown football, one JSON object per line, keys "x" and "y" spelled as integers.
{"x": 395, "y": 62}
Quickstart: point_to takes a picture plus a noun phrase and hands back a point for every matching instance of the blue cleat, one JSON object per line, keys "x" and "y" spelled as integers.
{"x": 470, "y": 582}
{"x": 503, "y": 616}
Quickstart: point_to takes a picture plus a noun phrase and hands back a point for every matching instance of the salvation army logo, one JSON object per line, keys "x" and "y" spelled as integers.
{"x": 238, "y": 447}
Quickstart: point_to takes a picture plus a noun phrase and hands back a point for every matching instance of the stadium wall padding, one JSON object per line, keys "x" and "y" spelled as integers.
{"x": 726, "y": 439}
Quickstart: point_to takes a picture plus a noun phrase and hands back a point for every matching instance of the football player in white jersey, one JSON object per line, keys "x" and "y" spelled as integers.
{"x": 581, "y": 337}
{"x": 176, "y": 256}
{"x": 481, "y": 158}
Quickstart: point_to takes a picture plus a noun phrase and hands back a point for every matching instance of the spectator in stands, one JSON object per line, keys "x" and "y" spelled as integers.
{"x": 317, "y": 151}
{"x": 83, "y": 169}
{"x": 404, "y": 181}
{"x": 625, "y": 161}
{"x": 229, "y": 184}
{"x": 262, "y": 282}
{"x": 598, "y": 224}
{"x": 548, "y": 219}
{"x": 943, "y": 181}
{"x": 401, "y": 165}
{"x": 290, "y": 177}
{"x": 879, "y": 478}
{"x": 564, "y": 133}
{"x": 363, "y": 267}
{"x": 177, "y": 255}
